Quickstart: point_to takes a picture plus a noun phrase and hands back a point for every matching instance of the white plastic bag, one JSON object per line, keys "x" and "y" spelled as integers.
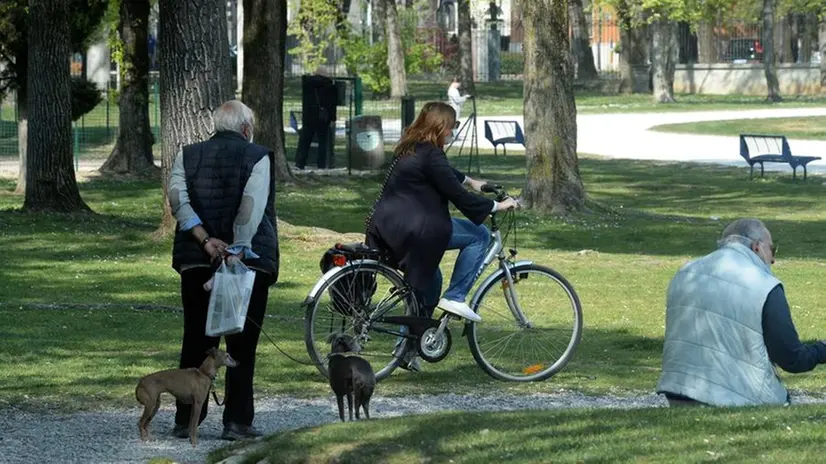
{"x": 229, "y": 300}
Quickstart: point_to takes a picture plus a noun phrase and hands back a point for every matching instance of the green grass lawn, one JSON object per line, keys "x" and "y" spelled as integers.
{"x": 792, "y": 434}
{"x": 91, "y": 348}
{"x": 812, "y": 127}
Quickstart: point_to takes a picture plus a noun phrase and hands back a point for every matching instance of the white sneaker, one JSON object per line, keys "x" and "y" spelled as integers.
{"x": 459, "y": 308}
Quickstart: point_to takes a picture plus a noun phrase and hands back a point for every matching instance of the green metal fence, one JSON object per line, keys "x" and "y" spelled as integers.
{"x": 93, "y": 135}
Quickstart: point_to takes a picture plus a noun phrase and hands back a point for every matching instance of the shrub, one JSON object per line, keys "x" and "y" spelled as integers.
{"x": 369, "y": 61}
{"x": 513, "y": 63}
{"x": 85, "y": 97}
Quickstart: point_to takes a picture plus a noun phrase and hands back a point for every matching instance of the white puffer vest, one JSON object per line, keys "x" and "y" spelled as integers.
{"x": 714, "y": 350}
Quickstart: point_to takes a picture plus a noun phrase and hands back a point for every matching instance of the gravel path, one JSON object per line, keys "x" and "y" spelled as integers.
{"x": 111, "y": 436}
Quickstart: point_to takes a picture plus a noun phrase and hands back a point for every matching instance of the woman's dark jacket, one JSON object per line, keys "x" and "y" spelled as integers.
{"x": 411, "y": 219}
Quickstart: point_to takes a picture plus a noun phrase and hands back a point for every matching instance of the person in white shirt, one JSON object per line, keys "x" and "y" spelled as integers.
{"x": 455, "y": 99}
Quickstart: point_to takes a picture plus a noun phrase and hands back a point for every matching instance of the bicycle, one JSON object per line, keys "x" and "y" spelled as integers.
{"x": 389, "y": 325}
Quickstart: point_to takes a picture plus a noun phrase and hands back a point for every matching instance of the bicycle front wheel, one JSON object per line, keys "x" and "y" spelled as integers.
{"x": 529, "y": 333}
{"x": 354, "y": 301}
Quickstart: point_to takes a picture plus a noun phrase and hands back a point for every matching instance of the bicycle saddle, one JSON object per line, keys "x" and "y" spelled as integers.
{"x": 358, "y": 248}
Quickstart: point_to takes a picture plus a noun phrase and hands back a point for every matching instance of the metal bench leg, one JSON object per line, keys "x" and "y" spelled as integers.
{"x": 751, "y": 171}
{"x": 504, "y": 149}
{"x": 804, "y": 173}
{"x": 495, "y": 152}
{"x": 761, "y": 170}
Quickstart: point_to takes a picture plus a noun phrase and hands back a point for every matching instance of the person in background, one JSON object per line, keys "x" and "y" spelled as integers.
{"x": 222, "y": 196}
{"x": 318, "y": 101}
{"x": 455, "y": 99}
{"x": 727, "y": 323}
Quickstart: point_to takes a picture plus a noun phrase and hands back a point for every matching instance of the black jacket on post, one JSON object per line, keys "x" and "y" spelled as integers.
{"x": 217, "y": 171}
{"x": 318, "y": 99}
{"x": 412, "y": 220}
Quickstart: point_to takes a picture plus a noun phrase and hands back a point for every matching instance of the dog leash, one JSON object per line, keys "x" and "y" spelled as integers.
{"x": 212, "y": 384}
{"x": 215, "y": 397}
{"x": 279, "y": 348}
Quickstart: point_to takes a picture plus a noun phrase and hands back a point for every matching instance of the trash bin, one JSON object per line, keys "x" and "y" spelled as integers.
{"x": 366, "y": 143}
{"x": 408, "y": 112}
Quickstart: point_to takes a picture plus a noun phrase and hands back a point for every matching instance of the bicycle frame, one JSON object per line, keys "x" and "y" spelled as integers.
{"x": 496, "y": 249}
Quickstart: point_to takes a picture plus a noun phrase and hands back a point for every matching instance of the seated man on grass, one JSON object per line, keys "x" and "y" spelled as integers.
{"x": 727, "y": 323}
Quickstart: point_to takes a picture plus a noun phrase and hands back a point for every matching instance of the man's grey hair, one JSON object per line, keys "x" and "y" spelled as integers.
{"x": 233, "y": 116}
{"x": 744, "y": 231}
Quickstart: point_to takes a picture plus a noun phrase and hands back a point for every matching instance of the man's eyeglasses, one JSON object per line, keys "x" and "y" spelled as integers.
{"x": 773, "y": 248}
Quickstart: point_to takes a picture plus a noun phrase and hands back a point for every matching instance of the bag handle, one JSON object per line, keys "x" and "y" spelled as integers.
{"x": 369, "y": 220}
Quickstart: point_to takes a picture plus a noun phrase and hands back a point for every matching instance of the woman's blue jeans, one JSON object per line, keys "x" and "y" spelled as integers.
{"x": 472, "y": 241}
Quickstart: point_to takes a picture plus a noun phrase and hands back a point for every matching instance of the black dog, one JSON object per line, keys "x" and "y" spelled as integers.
{"x": 350, "y": 376}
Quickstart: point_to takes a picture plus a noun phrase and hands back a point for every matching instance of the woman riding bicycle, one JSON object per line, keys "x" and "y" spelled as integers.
{"x": 411, "y": 219}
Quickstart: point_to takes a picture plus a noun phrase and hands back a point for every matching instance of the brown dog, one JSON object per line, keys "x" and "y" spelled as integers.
{"x": 189, "y": 386}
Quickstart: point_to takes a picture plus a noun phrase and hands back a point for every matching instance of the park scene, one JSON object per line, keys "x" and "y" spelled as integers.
{"x": 632, "y": 308}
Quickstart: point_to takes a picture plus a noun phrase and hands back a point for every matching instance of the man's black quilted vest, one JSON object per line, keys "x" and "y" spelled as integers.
{"x": 216, "y": 172}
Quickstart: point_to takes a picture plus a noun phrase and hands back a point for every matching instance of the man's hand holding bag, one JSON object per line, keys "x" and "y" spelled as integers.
{"x": 230, "y": 298}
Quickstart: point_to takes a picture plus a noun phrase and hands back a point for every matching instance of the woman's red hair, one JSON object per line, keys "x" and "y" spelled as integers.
{"x": 431, "y": 126}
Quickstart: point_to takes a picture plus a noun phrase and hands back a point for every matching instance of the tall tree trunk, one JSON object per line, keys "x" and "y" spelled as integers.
{"x": 553, "y": 180}
{"x": 584, "y": 66}
{"x": 769, "y": 66}
{"x": 432, "y": 13}
{"x": 50, "y": 176}
{"x": 265, "y": 38}
{"x": 783, "y": 40}
{"x": 794, "y": 36}
{"x": 626, "y": 64}
{"x": 465, "y": 47}
{"x": 133, "y": 150}
{"x": 378, "y": 19}
{"x": 195, "y": 78}
{"x": 395, "y": 52}
{"x": 665, "y": 52}
{"x": 21, "y": 60}
{"x": 22, "y": 137}
{"x": 807, "y": 26}
{"x": 706, "y": 45}
{"x": 821, "y": 43}
{"x": 633, "y": 47}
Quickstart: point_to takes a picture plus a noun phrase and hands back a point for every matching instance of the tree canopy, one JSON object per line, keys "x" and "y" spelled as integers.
{"x": 84, "y": 23}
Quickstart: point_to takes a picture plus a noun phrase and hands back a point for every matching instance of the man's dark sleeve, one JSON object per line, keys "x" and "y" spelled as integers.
{"x": 782, "y": 342}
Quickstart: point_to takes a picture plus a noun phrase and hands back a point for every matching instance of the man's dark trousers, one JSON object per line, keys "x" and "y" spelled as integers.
{"x": 238, "y": 406}
{"x": 309, "y": 128}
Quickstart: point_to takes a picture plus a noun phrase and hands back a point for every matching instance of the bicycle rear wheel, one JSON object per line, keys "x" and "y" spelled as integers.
{"x": 541, "y": 345}
{"x": 353, "y": 301}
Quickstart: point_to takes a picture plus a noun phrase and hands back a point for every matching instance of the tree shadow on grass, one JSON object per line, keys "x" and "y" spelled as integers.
{"x": 651, "y": 208}
{"x": 575, "y": 435}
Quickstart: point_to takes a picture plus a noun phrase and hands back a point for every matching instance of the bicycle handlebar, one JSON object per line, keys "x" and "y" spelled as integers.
{"x": 497, "y": 190}
{"x": 500, "y": 192}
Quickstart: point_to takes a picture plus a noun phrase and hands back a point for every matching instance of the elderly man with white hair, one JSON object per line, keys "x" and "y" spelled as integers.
{"x": 728, "y": 324}
{"x": 222, "y": 196}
